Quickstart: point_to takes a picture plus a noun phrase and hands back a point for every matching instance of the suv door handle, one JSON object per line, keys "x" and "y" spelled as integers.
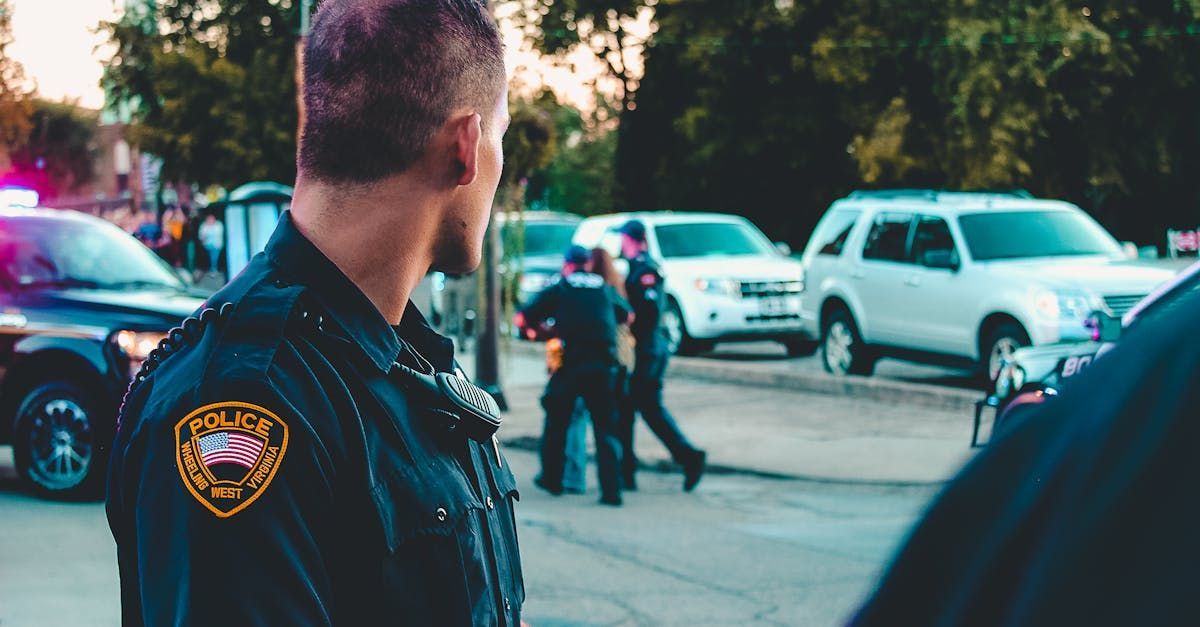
{"x": 858, "y": 274}
{"x": 913, "y": 281}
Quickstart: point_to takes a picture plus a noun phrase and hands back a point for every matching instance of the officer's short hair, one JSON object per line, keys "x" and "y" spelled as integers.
{"x": 381, "y": 76}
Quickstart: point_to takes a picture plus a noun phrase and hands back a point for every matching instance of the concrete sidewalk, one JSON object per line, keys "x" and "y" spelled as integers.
{"x": 781, "y": 433}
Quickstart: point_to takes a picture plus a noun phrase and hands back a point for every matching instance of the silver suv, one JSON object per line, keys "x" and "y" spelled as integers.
{"x": 959, "y": 278}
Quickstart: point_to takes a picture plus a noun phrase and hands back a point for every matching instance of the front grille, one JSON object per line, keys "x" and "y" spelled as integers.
{"x": 1120, "y": 305}
{"x": 761, "y": 289}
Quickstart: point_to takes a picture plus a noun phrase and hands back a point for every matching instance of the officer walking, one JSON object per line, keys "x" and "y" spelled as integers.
{"x": 586, "y": 312}
{"x": 644, "y": 285}
{"x": 303, "y": 453}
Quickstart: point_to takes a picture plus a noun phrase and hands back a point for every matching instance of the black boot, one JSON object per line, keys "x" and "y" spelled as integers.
{"x": 693, "y": 469}
{"x": 553, "y": 490}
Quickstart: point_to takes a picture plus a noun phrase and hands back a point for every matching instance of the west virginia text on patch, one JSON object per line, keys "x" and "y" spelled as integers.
{"x": 227, "y": 454}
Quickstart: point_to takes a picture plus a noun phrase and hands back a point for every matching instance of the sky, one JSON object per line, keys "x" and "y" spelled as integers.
{"x": 53, "y": 40}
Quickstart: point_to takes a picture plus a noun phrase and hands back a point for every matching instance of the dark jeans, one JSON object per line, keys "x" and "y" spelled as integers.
{"x": 645, "y": 397}
{"x": 595, "y": 383}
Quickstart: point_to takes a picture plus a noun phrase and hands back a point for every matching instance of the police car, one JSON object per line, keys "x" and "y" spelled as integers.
{"x": 1033, "y": 374}
{"x": 82, "y": 304}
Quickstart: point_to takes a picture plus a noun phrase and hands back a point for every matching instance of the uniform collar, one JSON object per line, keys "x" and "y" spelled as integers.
{"x": 302, "y": 262}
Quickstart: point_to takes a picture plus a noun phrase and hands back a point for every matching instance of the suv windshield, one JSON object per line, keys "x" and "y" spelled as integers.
{"x": 711, "y": 239}
{"x": 541, "y": 238}
{"x": 42, "y": 252}
{"x": 1026, "y": 234}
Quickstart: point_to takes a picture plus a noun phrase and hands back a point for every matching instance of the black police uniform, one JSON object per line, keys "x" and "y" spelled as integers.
{"x": 274, "y": 467}
{"x": 1082, "y": 511}
{"x": 585, "y": 312}
{"x": 644, "y": 285}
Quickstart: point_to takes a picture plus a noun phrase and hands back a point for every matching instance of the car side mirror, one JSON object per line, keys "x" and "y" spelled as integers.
{"x": 1105, "y": 327}
{"x": 940, "y": 260}
{"x": 783, "y": 249}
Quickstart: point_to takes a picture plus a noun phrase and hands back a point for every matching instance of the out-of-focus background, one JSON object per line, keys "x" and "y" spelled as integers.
{"x": 884, "y": 226}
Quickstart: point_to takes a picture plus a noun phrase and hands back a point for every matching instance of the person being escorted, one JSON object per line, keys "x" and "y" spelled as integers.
{"x": 305, "y": 451}
{"x": 586, "y": 312}
{"x": 647, "y": 294}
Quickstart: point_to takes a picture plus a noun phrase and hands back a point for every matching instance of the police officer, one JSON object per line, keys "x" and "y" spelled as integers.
{"x": 586, "y": 312}
{"x": 284, "y": 459}
{"x": 647, "y": 294}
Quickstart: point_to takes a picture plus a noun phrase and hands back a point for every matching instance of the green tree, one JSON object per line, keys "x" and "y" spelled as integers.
{"x": 582, "y": 176}
{"x": 212, "y": 84}
{"x": 773, "y": 109}
{"x": 605, "y": 27}
{"x": 15, "y": 103}
{"x": 59, "y": 153}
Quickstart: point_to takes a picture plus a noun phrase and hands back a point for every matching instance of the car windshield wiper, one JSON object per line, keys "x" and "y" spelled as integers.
{"x": 133, "y": 285}
{"x": 61, "y": 282}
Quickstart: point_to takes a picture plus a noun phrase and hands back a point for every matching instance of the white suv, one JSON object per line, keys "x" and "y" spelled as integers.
{"x": 959, "y": 278}
{"x": 725, "y": 280}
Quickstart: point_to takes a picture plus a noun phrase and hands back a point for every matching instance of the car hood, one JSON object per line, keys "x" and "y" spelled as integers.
{"x": 1095, "y": 274}
{"x": 541, "y": 264}
{"x": 743, "y": 268}
{"x": 165, "y": 303}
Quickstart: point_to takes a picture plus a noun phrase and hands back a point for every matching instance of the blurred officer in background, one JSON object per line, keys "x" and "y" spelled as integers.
{"x": 1082, "y": 512}
{"x": 647, "y": 294}
{"x": 288, "y": 458}
{"x": 586, "y": 312}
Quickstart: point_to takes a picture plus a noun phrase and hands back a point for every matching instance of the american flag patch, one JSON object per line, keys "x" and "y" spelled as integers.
{"x": 229, "y": 447}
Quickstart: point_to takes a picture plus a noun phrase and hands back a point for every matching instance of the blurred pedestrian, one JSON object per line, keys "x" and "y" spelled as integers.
{"x": 647, "y": 294}
{"x": 173, "y": 225}
{"x": 586, "y": 313}
{"x": 1081, "y": 512}
{"x": 212, "y": 237}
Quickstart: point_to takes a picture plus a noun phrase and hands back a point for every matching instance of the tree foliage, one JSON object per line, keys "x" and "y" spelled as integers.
{"x": 212, "y": 83}
{"x": 58, "y": 154}
{"x": 773, "y": 109}
{"x": 15, "y": 103}
{"x": 605, "y": 27}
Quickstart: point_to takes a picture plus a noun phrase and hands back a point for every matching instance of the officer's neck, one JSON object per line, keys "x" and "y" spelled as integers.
{"x": 382, "y": 238}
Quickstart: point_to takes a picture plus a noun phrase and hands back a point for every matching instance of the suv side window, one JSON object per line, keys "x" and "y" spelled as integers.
{"x": 833, "y": 232}
{"x": 932, "y": 236}
{"x": 888, "y": 239}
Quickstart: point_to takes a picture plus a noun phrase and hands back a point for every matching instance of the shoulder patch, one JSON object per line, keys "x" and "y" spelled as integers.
{"x": 649, "y": 279}
{"x": 227, "y": 454}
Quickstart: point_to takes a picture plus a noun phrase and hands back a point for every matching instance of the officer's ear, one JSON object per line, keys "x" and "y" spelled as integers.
{"x": 467, "y": 131}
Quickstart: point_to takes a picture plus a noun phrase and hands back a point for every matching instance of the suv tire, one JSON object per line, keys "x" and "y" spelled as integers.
{"x": 678, "y": 340}
{"x": 1001, "y": 341}
{"x": 843, "y": 351}
{"x": 57, "y": 442}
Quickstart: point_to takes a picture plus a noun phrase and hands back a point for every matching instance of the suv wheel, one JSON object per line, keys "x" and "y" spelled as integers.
{"x": 678, "y": 340}
{"x": 842, "y": 349}
{"x": 55, "y": 441}
{"x": 1000, "y": 345}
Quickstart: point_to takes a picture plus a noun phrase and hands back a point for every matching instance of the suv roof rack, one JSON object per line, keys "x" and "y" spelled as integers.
{"x": 933, "y": 195}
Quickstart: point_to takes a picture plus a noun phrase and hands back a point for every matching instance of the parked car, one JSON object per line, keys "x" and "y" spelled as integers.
{"x": 725, "y": 280}
{"x": 1031, "y": 375}
{"x": 541, "y": 237}
{"x": 82, "y": 304}
{"x": 959, "y": 278}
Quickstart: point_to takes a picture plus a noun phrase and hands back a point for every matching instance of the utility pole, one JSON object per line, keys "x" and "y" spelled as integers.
{"x": 487, "y": 353}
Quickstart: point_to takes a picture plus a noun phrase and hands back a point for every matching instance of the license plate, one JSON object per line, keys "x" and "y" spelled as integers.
{"x": 773, "y": 306}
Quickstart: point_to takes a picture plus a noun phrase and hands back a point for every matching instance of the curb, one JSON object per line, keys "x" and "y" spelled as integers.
{"x": 871, "y": 388}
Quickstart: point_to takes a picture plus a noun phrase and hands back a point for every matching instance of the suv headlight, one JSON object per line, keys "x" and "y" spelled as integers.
{"x": 137, "y": 346}
{"x": 1073, "y": 306}
{"x": 723, "y": 287}
{"x": 532, "y": 283}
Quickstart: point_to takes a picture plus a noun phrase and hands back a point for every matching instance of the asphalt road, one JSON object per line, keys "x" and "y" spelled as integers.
{"x": 739, "y": 551}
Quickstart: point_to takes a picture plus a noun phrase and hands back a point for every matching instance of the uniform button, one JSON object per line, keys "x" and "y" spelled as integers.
{"x": 490, "y": 503}
{"x": 441, "y": 514}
